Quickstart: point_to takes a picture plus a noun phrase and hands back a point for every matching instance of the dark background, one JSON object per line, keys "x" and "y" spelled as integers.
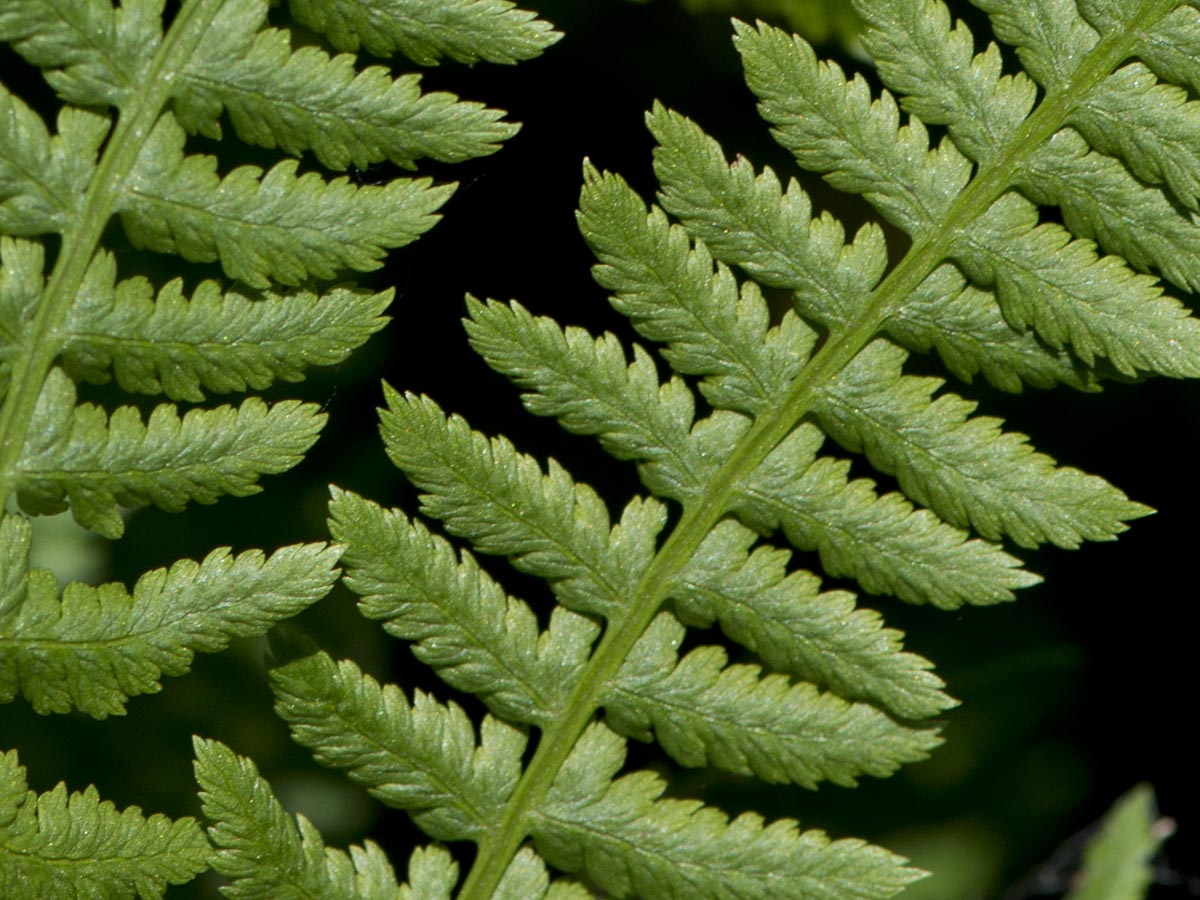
{"x": 1073, "y": 694}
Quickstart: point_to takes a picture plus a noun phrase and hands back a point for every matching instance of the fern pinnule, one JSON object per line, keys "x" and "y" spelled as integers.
{"x": 92, "y": 648}
{"x": 111, "y": 854}
{"x": 252, "y": 825}
{"x": 215, "y": 341}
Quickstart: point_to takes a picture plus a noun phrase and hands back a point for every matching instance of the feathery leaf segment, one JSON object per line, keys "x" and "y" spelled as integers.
{"x": 133, "y": 89}
{"x": 735, "y": 436}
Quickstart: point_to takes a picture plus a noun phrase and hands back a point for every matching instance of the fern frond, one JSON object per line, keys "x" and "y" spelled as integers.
{"x": 1070, "y": 295}
{"x": 92, "y": 648}
{"x": 942, "y": 80}
{"x": 267, "y": 856}
{"x": 527, "y": 879}
{"x": 99, "y": 462}
{"x": 1051, "y": 37}
{"x": 135, "y": 80}
{"x": 668, "y": 289}
{"x": 460, "y": 621}
{"x": 831, "y": 125}
{"x": 1103, "y": 201}
{"x": 881, "y": 541}
{"x": 752, "y": 222}
{"x": 419, "y": 756}
{"x": 966, "y": 469}
{"x": 983, "y": 281}
{"x": 589, "y": 385}
{"x": 755, "y": 223}
{"x": 1118, "y": 861}
{"x": 502, "y": 501}
{"x": 795, "y": 628}
{"x": 629, "y": 842}
{"x": 214, "y": 341}
{"x": 79, "y": 847}
{"x": 632, "y": 415}
{"x": 1154, "y": 127}
{"x": 426, "y": 30}
{"x": 706, "y": 712}
{"x": 306, "y": 100}
{"x": 268, "y": 226}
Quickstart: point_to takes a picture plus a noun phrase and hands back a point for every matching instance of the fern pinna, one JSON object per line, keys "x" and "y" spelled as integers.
{"x": 737, "y": 443}
{"x": 134, "y": 87}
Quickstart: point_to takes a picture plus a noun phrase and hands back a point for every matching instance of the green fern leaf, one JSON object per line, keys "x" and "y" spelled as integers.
{"x": 1051, "y": 36}
{"x": 79, "y": 847}
{"x": 1168, "y": 46}
{"x": 96, "y": 53}
{"x": 589, "y": 385}
{"x": 881, "y": 541}
{"x": 941, "y": 462}
{"x": 966, "y": 469}
{"x": 20, "y": 288}
{"x": 983, "y": 281}
{"x": 306, "y": 100}
{"x": 631, "y": 843}
{"x": 1072, "y": 296}
{"x": 670, "y": 292}
{"x": 268, "y": 857}
{"x": 831, "y": 126}
{"x": 784, "y": 618}
{"x": 943, "y": 81}
{"x": 501, "y": 501}
{"x": 135, "y": 79}
{"x": 527, "y": 879}
{"x": 268, "y": 226}
{"x": 1153, "y": 126}
{"x": 220, "y": 342}
{"x": 752, "y": 222}
{"x": 1101, "y": 200}
{"x": 705, "y": 712}
{"x": 427, "y": 30}
{"x": 1118, "y": 861}
{"x": 458, "y": 618}
{"x": 97, "y": 462}
{"x": 43, "y": 177}
{"x": 420, "y": 757}
{"x": 967, "y": 328}
{"x": 93, "y": 648}
{"x": 431, "y": 875}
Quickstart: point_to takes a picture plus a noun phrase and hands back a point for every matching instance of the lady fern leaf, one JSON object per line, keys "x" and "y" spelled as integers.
{"x": 732, "y": 445}
{"x": 79, "y": 847}
{"x": 136, "y": 82}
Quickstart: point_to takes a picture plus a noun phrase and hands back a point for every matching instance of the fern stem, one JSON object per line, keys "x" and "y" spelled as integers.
{"x": 82, "y": 238}
{"x": 699, "y": 517}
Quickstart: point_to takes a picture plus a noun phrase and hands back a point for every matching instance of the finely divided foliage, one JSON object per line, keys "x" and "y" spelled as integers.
{"x": 735, "y": 432}
{"x": 133, "y": 90}
{"x": 743, "y": 426}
